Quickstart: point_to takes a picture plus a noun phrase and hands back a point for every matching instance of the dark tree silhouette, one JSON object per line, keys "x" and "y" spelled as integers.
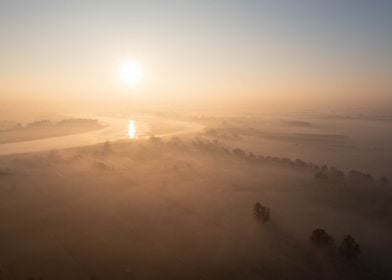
{"x": 367, "y": 177}
{"x": 238, "y": 152}
{"x": 320, "y": 238}
{"x": 261, "y": 212}
{"x": 335, "y": 173}
{"x": 252, "y": 157}
{"x": 320, "y": 175}
{"x": 354, "y": 174}
{"x": 349, "y": 248}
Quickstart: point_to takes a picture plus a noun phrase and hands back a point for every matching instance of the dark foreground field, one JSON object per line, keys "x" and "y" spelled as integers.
{"x": 184, "y": 210}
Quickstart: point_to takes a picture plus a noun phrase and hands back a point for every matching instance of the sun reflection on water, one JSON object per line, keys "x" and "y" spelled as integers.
{"x": 131, "y": 129}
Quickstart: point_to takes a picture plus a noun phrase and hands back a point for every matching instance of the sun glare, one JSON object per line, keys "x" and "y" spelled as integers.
{"x": 131, "y": 129}
{"x": 131, "y": 73}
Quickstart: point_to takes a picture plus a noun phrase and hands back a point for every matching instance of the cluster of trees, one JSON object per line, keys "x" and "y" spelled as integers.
{"x": 216, "y": 133}
{"x": 237, "y": 131}
{"x": 210, "y": 146}
{"x": 215, "y": 146}
{"x": 8, "y": 126}
{"x": 348, "y": 248}
{"x": 251, "y": 157}
{"x": 333, "y": 173}
{"x": 320, "y": 172}
{"x": 319, "y": 238}
{"x": 325, "y": 172}
{"x": 262, "y": 213}
{"x": 70, "y": 122}
{"x": 355, "y": 174}
{"x": 103, "y": 150}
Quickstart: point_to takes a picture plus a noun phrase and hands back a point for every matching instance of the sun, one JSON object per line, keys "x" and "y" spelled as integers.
{"x": 131, "y": 73}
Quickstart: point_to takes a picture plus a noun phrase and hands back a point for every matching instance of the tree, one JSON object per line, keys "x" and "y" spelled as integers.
{"x": 320, "y": 175}
{"x": 349, "y": 248}
{"x": 320, "y": 238}
{"x": 335, "y": 173}
{"x": 238, "y": 152}
{"x": 261, "y": 212}
{"x": 354, "y": 174}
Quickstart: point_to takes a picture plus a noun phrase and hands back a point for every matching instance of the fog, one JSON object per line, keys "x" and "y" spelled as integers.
{"x": 224, "y": 139}
{"x": 177, "y": 199}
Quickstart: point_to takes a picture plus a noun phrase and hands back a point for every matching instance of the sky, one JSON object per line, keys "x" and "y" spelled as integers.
{"x": 304, "y": 50}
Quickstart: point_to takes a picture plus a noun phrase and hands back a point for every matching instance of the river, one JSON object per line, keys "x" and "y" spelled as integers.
{"x": 115, "y": 129}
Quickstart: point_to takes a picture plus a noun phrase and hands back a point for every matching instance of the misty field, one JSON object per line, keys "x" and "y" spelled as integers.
{"x": 195, "y": 140}
{"x": 184, "y": 209}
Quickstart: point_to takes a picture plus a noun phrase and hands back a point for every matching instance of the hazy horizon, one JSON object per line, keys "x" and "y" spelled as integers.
{"x": 300, "y": 52}
{"x": 195, "y": 139}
